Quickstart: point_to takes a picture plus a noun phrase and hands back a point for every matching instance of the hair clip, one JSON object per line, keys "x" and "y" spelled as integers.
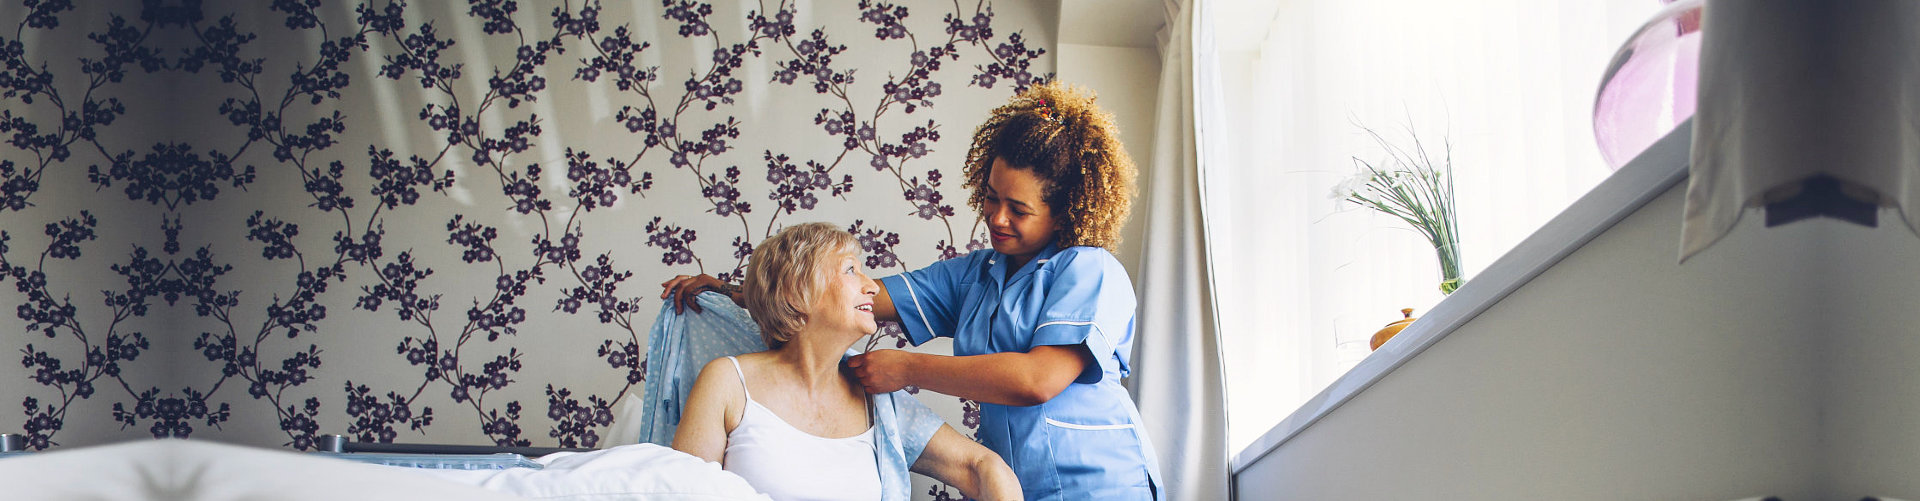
{"x": 1046, "y": 111}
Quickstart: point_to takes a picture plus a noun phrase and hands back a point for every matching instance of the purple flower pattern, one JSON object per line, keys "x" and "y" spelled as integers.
{"x": 285, "y": 112}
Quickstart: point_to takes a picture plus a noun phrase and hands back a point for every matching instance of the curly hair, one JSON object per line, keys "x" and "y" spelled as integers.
{"x": 1066, "y": 140}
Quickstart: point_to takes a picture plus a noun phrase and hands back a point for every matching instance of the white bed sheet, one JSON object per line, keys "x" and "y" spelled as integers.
{"x": 170, "y": 470}
{"x": 640, "y": 472}
{"x": 193, "y": 470}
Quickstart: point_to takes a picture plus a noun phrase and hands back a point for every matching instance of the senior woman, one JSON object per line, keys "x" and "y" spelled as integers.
{"x": 789, "y": 419}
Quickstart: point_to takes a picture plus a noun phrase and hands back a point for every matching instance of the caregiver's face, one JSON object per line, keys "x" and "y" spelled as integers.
{"x": 1018, "y": 219}
{"x": 846, "y": 296}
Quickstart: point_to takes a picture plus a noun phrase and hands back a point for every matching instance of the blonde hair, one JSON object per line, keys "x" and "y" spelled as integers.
{"x": 784, "y": 276}
{"x": 1058, "y": 133}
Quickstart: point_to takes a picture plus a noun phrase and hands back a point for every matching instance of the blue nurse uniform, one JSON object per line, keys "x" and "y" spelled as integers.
{"x": 1085, "y": 443}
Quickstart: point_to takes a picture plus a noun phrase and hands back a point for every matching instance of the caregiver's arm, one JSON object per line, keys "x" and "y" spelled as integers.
{"x": 979, "y": 473}
{"x": 883, "y": 306}
{"x": 681, "y": 289}
{"x": 1008, "y": 378}
{"x": 710, "y": 405}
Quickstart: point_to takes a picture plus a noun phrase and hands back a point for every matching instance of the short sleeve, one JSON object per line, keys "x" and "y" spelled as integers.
{"x": 1088, "y": 300}
{"x": 928, "y": 299}
{"x": 917, "y": 424}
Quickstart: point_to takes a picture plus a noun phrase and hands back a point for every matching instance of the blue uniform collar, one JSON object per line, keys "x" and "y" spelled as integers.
{"x": 997, "y": 269}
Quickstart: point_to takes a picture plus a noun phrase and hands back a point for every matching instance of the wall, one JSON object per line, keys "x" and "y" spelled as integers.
{"x": 1615, "y": 374}
{"x": 1869, "y": 408}
{"x": 515, "y": 196}
{"x": 1127, "y": 79}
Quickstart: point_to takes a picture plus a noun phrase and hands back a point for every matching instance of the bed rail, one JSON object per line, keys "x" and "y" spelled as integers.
{"x": 13, "y": 442}
{"x": 345, "y": 444}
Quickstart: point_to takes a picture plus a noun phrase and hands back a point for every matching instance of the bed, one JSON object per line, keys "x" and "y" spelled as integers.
{"x": 643, "y": 469}
{"x": 210, "y": 471}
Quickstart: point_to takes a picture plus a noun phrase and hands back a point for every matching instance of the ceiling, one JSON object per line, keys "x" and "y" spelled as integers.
{"x": 1239, "y": 24}
{"x": 1114, "y": 23}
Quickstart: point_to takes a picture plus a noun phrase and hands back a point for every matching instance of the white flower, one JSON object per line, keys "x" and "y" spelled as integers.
{"x": 1351, "y": 185}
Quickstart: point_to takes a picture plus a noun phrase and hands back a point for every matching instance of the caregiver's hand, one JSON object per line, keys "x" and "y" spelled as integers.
{"x": 881, "y": 371}
{"x": 684, "y": 287}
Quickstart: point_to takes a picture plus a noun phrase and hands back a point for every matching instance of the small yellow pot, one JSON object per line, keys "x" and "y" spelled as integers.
{"x": 1380, "y": 338}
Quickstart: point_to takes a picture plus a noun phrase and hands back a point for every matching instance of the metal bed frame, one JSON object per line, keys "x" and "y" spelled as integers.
{"x": 13, "y": 444}
{"x": 436, "y": 456}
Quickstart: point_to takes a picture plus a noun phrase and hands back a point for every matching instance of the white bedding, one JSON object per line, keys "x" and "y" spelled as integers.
{"x": 168, "y": 470}
{"x": 637, "y": 472}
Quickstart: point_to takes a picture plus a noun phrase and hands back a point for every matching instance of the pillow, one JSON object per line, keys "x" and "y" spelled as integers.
{"x": 627, "y": 420}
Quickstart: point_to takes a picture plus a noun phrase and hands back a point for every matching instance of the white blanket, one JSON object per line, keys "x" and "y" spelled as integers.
{"x": 629, "y": 472}
{"x": 169, "y": 470}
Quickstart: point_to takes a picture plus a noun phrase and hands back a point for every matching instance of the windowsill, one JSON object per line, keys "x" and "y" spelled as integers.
{"x": 1653, "y": 172}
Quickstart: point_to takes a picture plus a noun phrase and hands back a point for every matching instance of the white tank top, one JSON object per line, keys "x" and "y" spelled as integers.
{"x": 792, "y": 465}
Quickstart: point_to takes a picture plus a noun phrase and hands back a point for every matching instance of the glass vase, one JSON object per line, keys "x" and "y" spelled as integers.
{"x": 1450, "y": 278}
{"x": 1649, "y": 86}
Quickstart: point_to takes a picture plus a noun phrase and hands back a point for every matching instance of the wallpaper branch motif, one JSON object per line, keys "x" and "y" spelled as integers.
{"x": 285, "y": 117}
{"x": 80, "y": 117}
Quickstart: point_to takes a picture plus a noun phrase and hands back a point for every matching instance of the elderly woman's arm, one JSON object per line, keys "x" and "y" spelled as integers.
{"x": 710, "y": 404}
{"x": 978, "y": 472}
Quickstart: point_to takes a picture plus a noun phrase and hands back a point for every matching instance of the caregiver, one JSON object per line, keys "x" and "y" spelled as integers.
{"x": 1042, "y": 323}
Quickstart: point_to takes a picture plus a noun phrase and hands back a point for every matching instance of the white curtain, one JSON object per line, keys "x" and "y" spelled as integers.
{"x": 1302, "y": 286}
{"x": 1176, "y": 354}
{"x": 1791, "y": 90}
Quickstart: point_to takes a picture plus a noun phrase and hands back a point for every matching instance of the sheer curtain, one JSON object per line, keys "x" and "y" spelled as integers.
{"x": 1301, "y": 283}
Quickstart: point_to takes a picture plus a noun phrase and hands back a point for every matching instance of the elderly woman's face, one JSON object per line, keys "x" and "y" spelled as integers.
{"x": 846, "y": 297}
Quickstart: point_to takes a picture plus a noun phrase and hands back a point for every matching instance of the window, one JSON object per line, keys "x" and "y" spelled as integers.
{"x": 1508, "y": 85}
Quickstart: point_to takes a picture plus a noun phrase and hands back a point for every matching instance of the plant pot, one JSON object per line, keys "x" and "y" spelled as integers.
{"x": 1392, "y": 329}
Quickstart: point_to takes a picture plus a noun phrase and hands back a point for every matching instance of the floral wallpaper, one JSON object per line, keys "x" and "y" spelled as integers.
{"x": 443, "y": 221}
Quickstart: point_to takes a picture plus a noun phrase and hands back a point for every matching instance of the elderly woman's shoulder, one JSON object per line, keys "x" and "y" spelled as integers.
{"x": 725, "y": 369}
{"x": 754, "y": 359}
{"x": 716, "y": 365}
{"x": 719, "y": 382}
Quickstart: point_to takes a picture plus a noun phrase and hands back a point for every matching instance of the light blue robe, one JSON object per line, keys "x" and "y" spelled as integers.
{"x": 679, "y": 345}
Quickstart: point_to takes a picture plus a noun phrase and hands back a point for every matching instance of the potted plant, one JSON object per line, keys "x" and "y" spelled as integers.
{"x": 1410, "y": 185}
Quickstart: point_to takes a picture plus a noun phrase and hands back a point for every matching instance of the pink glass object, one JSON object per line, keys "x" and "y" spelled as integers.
{"x": 1650, "y": 85}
